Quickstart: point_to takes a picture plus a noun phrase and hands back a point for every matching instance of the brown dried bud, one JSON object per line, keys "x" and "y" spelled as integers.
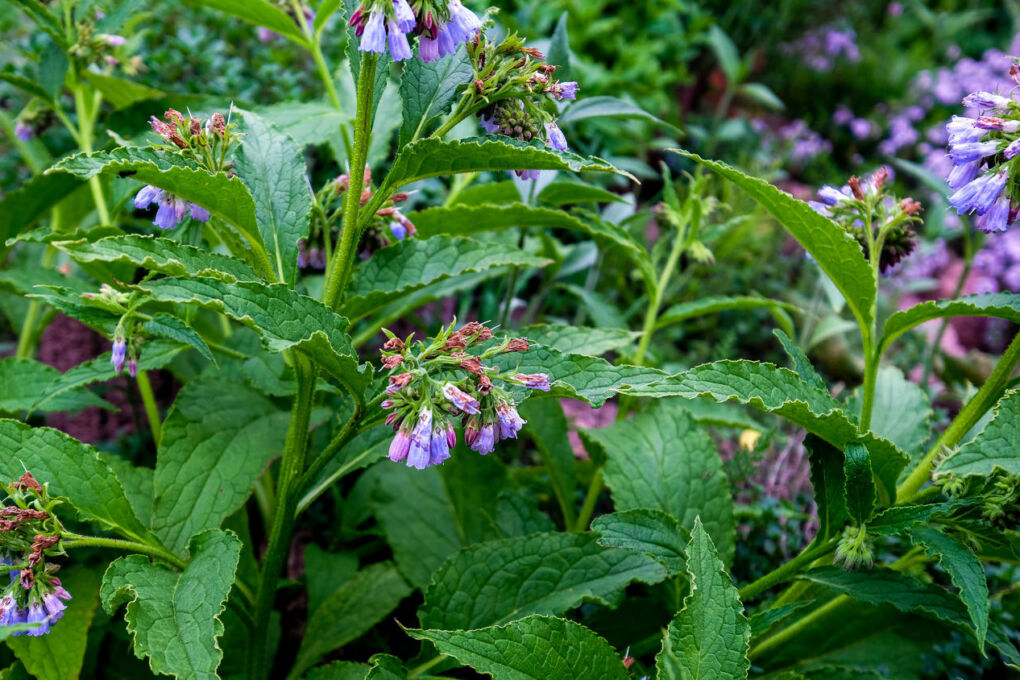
{"x": 855, "y": 186}
{"x": 547, "y": 69}
{"x": 167, "y": 132}
{"x": 27, "y": 481}
{"x": 399, "y": 197}
{"x": 455, "y": 342}
{"x": 9, "y": 524}
{"x": 880, "y": 177}
{"x": 394, "y": 345}
{"x": 471, "y": 365}
{"x": 533, "y": 53}
{"x": 368, "y": 175}
{"x": 42, "y": 542}
{"x": 365, "y": 196}
{"x": 910, "y": 206}
{"x": 392, "y": 361}
{"x": 484, "y": 384}
{"x": 174, "y": 115}
{"x": 27, "y": 578}
{"x": 1014, "y": 73}
{"x": 195, "y": 125}
{"x": 471, "y": 328}
{"x": 219, "y": 124}
{"x": 386, "y": 212}
{"x": 518, "y": 345}
{"x": 342, "y": 182}
{"x": 399, "y": 381}
{"x": 479, "y": 85}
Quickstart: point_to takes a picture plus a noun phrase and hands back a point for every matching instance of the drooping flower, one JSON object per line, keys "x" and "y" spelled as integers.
{"x": 419, "y": 454}
{"x": 112, "y": 39}
{"x": 119, "y": 355}
{"x": 384, "y": 24}
{"x": 23, "y": 132}
{"x": 53, "y": 602}
{"x": 463, "y": 22}
{"x": 997, "y": 217}
{"x": 485, "y": 442}
{"x": 400, "y": 446}
{"x": 963, "y": 173}
{"x": 461, "y": 399}
{"x": 171, "y": 209}
{"x": 568, "y": 90}
{"x": 400, "y": 49}
{"x": 37, "y": 614}
{"x": 405, "y": 15}
{"x": 535, "y": 381}
{"x": 986, "y": 101}
{"x": 510, "y": 421}
{"x": 967, "y": 152}
{"x": 554, "y": 136}
{"x": 979, "y": 195}
{"x": 439, "y": 450}
{"x": 398, "y": 230}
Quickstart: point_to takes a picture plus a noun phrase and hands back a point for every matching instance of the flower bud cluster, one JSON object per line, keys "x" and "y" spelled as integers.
{"x": 432, "y": 384}
{"x": 29, "y": 536}
{"x": 983, "y": 151}
{"x": 855, "y": 548}
{"x": 441, "y": 25}
{"x": 869, "y": 213}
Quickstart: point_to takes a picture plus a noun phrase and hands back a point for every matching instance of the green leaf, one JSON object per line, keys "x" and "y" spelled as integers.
{"x": 885, "y": 586}
{"x": 174, "y": 618}
{"x": 339, "y": 670}
{"x": 709, "y": 637}
{"x": 59, "y": 654}
{"x": 172, "y": 328}
{"x": 828, "y": 480}
{"x": 534, "y": 648}
{"x": 414, "y": 263}
{"x": 901, "y": 518}
{"x": 20, "y": 208}
{"x": 517, "y": 515}
{"x": 608, "y": 107}
{"x": 496, "y": 193}
{"x": 1000, "y": 305}
{"x": 363, "y": 450}
{"x": 73, "y": 470}
{"x": 801, "y": 364}
{"x": 307, "y": 123}
{"x": 559, "y": 49}
{"x": 350, "y": 612}
{"x": 226, "y": 197}
{"x": 427, "y": 90}
{"x": 27, "y": 85}
{"x": 261, "y": 13}
{"x": 714, "y": 305}
{"x": 996, "y": 447}
{"x": 119, "y": 92}
{"x": 782, "y": 392}
{"x": 272, "y": 167}
{"x": 661, "y": 459}
{"x": 386, "y": 667}
{"x": 901, "y": 411}
{"x": 564, "y": 193}
{"x": 496, "y": 582}
{"x": 603, "y": 312}
{"x": 547, "y": 425}
{"x": 326, "y": 9}
{"x": 283, "y": 318}
{"x": 137, "y": 483}
{"x": 860, "y": 482}
{"x": 965, "y": 571}
{"x": 162, "y": 255}
{"x": 44, "y": 19}
{"x": 761, "y": 94}
{"x": 763, "y": 620}
{"x": 325, "y": 573}
{"x": 579, "y": 339}
{"x": 28, "y": 386}
{"x": 209, "y": 458}
{"x": 652, "y": 532}
{"x": 434, "y": 158}
{"x": 726, "y": 53}
{"x": 837, "y": 253}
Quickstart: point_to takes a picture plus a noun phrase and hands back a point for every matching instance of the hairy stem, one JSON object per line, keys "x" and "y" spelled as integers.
{"x": 151, "y": 410}
{"x": 72, "y": 540}
{"x": 786, "y": 571}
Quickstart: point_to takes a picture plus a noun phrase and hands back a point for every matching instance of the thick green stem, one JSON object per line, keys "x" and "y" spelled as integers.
{"x": 85, "y": 129}
{"x": 786, "y": 571}
{"x": 964, "y": 421}
{"x": 590, "y": 500}
{"x": 291, "y": 467}
{"x": 343, "y": 260}
{"x": 151, "y": 409}
{"x": 72, "y": 540}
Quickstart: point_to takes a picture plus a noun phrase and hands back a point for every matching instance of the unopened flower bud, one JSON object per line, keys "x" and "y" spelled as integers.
{"x": 132, "y": 366}
{"x": 518, "y": 345}
{"x": 119, "y": 355}
{"x": 195, "y": 126}
{"x": 219, "y": 124}
{"x": 399, "y": 197}
{"x": 392, "y": 362}
{"x": 393, "y": 345}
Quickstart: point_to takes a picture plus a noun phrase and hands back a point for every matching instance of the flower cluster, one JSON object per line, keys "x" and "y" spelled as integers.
{"x": 206, "y": 144}
{"x": 982, "y": 151}
{"x": 441, "y": 25}
{"x": 30, "y": 535}
{"x": 855, "y": 548}
{"x": 128, "y": 337}
{"x": 794, "y": 140}
{"x": 879, "y": 222}
{"x": 820, "y": 48}
{"x": 432, "y": 384}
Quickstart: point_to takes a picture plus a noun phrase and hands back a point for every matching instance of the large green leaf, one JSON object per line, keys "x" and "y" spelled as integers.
{"x": 174, "y": 618}
{"x": 965, "y": 571}
{"x": 547, "y": 425}
{"x": 661, "y": 459}
{"x": 119, "y": 92}
{"x": 837, "y": 253}
{"x": 28, "y": 386}
{"x": 307, "y": 123}
{"x": 172, "y": 328}
{"x": 260, "y": 13}
{"x": 1001, "y": 305}
{"x": 20, "y": 208}
{"x": 533, "y": 648}
{"x": 285, "y": 320}
{"x": 73, "y": 470}
{"x": 427, "y": 90}
{"x": 901, "y": 411}
{"x": 209, "y": 458}
{"x": 996, "y": 447}
{"x": 802, "y": 366}
{"x": 272, "y": 167}
{"x": 564, "y": 193}
{"x": 414, "y": 263}
{"x": 350, "y": 612}
{"x": 162, "y": 255}
{"x": 885, "y": 586}
{"x": 59, "y": 654}
{"x": 608, "y": 107}
{"x": 781, "y": 391}
{"x": 579, "y": 339}
{"x": 649, "y": 531}
{"x": 708, "y": 638}
{"x": 714, "y": 305}
{"x": 497, "y": 582}
{"x": 45, "y": 19}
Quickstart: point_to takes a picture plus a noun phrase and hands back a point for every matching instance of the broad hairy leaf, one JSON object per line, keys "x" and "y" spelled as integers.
{"x": 307, "y": 123}
{"x": 661, "y": 459}
{"x": 1001, "y": 305}
{"x": 21, "y": 207}
{"x": 714, "y": 305}
{"x": 902, "y": 518}
{"x": 414, "y": 263}
{"x": 965, "y": 571}
{"x": 260, "y": 13}
{"x": 649, "y": 531}
{"x": 579, "y": 339}
{"x": 859, "y": 482}
{"x": 283, "y": 318}
{"x": 73, "y": 470}
{"x": 272, "y": 167}
{"x": 837, "y": 253}
{"x": 427, "y": 90}
{"x": 802, "y": 366}
{"x": 119, "y": 92}
{"x": 996, "y": 447}
{"x": 564, "y": 193}
{"x": 533, "y": 648}
{"x": 28, "y": 85}
{"x": 901, "y": 411}
{"x": 709, "y": 637}
{"x": 174, "y": 617}
{"x": 162, "y": 255}
{"x": 29, "y": 384}
{"x": 547, "y": 426}
{"x": 172, "y": 328}
{"x": 496, "y": 582}
{"x": 217, "y": 440}
{"x": 58, "y": 655}
{"x": 350, "y": 612}
{"x": 45, "y": 19}
{"x": 780, "y": 391}
{"x": 607, "y": 107}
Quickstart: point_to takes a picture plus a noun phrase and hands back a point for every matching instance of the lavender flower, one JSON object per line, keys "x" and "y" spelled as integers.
{"x": 963, "y": 173}
{"x": 52, "y": 601}
{"x": 535, "y": 381}
{"x": 10, "y": 613}
{"x": 568, "y": 90}
{"x": 485, "y": 441}
{"x": 962, "y": 130}
{"x": 419, "y": 453}
{"x": 554, "y": 136}
{"x": 972, "y": 151}
{"x": 1012, "y": 150}
{"x": 439, "y": 450}
{"x": 119, "y": 355}
{"x": 37, "y": 614}
{"x": 488, "y": 125}
{"x": 979, "y": 195}
{"x": 462, "y": 400}
{"x": 132, "y": 366}
{"x": 23, "y": 132}
{"x": 528, "y": 174}
{"x": 377, "y": 30}
{"x": 400, "y": 445}
{"x": 399, "y": 47}
{"x": 830, "y": 195}
{"x": 510, "y": 421}
{"x": 112, "y": 39}
{"x": 985, "y": 101}
{"x": 405, "y": 16}
{"x": 398, "y": 230}
{"x": 172, "y": 209}
{"x": 997, "y": 217}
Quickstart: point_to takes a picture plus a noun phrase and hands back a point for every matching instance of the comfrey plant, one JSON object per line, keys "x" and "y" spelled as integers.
{"x": 321, "y": 495}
